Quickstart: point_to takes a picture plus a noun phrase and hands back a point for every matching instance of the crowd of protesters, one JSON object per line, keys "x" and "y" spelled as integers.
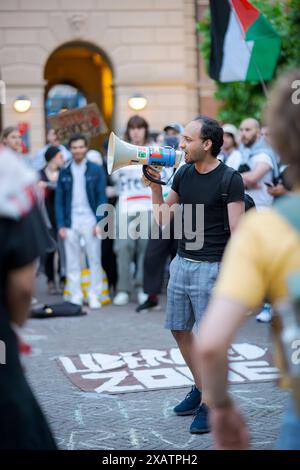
{"x": 135, "y": 268}
{"x": 74, "y": 183}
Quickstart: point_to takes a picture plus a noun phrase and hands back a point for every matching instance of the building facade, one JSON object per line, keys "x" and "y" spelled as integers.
{"x": 109, "y": 50}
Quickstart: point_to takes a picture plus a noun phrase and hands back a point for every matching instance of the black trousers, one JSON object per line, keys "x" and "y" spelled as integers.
{"x": 48, "y": 259}
{"x": 109, "y": 262}
{"x": 156, "y": 255}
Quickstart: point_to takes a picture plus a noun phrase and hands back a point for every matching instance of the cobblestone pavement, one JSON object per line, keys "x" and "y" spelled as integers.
{"x": 142, "y": 420}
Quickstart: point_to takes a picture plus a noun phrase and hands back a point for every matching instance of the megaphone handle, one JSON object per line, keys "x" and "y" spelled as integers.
{"x": 150, "y": 178}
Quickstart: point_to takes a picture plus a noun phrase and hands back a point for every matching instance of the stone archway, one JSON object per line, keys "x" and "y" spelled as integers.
{"x": 87, "y": 68}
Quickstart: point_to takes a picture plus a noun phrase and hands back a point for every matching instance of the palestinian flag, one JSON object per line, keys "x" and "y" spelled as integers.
{"x": 245, "y": 45}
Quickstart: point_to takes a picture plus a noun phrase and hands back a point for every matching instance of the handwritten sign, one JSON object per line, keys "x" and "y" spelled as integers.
{"x": 86, "y": 120}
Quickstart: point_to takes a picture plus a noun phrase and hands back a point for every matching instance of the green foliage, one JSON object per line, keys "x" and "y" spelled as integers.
{"x": 239, "y": 99}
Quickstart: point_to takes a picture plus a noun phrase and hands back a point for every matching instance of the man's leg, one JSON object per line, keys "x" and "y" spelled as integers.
{"x": 180, "y": 320}
{"x": 124, "y": 250}
{"x": 201, "y": 280}
{"x": 93, "y": 251}
{"x": 188, "y": 345}
{"x": 141, "y": 246}
{"x": 72, "y": 249}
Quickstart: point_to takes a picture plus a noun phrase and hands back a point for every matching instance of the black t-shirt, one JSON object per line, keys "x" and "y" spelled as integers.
{"x": 194, "y": 189}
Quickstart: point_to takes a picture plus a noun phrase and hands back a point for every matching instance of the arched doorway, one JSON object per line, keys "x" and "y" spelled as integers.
{"x": 77, "y": 73}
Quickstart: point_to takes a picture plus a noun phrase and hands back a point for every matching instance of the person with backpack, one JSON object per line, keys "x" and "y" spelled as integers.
{"x": 259, "y": 263}
{"x": 258, "y": 164}
{"x": 259, "y": 169}
{"x": 197, "y": 187}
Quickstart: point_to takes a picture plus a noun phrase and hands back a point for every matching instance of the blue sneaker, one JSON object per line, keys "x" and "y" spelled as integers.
{"x": 265, "y": 316}
{"x": 190, "y": 404}
{"x": 200, "y": 425}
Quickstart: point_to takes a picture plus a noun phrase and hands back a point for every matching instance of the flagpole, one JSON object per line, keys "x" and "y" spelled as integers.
{"x": 262, "y": 82}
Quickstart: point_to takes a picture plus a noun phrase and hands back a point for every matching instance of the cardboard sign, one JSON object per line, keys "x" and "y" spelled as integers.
{"x": 86, "y": 120}
{"x": 152, "y": 369}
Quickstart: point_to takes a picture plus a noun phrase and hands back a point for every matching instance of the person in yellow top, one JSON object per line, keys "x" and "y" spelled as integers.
{"x": 262, "y": 252}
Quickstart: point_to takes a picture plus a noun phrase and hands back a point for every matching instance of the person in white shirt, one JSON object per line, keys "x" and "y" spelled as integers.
{"x": 257, "y": 167}
{"x": 230, "y": 155}
{"x": 79, "y": 193}
{"x": 134, "y": 198}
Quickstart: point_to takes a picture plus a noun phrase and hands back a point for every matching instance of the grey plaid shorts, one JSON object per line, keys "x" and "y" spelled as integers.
{"x": 189, "y": 289}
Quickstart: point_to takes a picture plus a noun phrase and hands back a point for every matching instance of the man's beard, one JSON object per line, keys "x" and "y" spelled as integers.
{"x": 251, "y": 142}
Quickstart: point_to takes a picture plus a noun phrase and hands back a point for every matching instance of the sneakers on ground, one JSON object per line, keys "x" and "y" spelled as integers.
{"x": 265, "y": 316}
{"x": 200, "y": 424}
{"x": 190, "y": 404}
{"x": 141, "y": 297}
{"x": 94, "y": 303}
{"x": 151, "y": 303}
{"x": 122, "y": 298}
{"x": 77, "y": 300}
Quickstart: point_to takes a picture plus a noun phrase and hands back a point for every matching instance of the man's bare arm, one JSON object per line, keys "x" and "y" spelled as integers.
{"x": 214, "y": 342}
{"x": 251, "y": 178}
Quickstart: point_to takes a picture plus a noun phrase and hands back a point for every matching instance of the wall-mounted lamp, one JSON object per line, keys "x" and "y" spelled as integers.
{"x": 22, "y": 104}
{"x": 137, "y": 102}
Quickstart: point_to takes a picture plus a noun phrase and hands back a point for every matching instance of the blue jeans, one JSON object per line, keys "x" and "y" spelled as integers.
{"x": 289, "y": 436}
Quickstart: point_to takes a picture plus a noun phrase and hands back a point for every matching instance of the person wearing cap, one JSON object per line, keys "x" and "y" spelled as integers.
{"x": 172, "y": 132}
{"x": 230, "y": 155}
{"x": 48, "y": 181}
{"x": 38, "y": 161}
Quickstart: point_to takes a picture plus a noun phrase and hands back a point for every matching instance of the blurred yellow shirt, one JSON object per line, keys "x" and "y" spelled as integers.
{"x": 260, "y": 254}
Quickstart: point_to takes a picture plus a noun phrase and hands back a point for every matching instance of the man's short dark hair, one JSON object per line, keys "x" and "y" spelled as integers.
{"x": 76, "y": 137}
{"x": 211, "y": 130}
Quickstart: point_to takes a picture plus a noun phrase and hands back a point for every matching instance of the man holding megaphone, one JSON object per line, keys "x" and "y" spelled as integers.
{"x": 197, "y": 190}
{"x": 193, "y": 272}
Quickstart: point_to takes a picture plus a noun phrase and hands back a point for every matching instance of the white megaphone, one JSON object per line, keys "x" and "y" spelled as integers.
{"x": 122, "y": 154}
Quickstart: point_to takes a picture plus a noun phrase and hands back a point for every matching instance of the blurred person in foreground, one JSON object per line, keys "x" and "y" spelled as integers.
{"x": 258, "y": 262}
{"x": 22, "y": 240}
{"x": 11, "y": 138}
